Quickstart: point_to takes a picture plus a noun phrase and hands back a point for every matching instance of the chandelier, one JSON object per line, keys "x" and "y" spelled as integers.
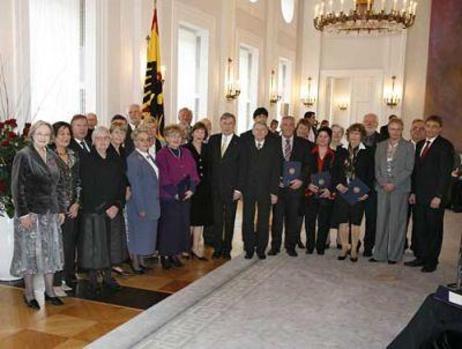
{"x": 364, "y": 16}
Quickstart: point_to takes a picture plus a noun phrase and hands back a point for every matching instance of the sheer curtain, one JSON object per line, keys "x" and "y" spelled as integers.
{"x": 55, "y": 59}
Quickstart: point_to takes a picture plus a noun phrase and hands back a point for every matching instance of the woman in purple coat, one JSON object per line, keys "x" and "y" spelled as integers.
{"x": 178, "y": 179}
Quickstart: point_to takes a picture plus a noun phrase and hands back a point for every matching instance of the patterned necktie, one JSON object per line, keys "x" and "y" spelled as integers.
{"x": 425, "y": 149}
{"x": 84, "y": 146}
{"x": 287, "y": 150}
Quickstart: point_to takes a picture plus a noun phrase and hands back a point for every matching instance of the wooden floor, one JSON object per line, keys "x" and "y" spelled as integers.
{"x": 81, "y": 321}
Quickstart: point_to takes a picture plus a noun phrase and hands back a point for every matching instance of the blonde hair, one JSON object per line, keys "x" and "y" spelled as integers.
{"x": 139, "y": 130}
{"x": 118, "y": 125}
{"x": 38, "y": 124}
{"x": 172, "y": 129}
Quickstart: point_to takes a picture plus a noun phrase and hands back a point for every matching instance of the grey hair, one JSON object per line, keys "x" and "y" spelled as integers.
{"x": 338, "y": 126}
{"x": 38, "y": 124}
{"x": 99, "y": 131}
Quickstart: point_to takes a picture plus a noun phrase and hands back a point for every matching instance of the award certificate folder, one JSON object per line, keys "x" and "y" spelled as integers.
{"x": 183, "y": 186}
{"x": 291, "y": 171}
{"x": 356, "y": 189}
{"x": 321, "y": 179}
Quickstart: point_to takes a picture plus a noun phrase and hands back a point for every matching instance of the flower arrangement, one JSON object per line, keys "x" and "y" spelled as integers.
{"x": 10, "y": 143}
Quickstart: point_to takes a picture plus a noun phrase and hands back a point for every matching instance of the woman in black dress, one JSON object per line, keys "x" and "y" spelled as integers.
{"x": 116, "y": 151}
{"x": 356, "y": 161}
{"x": 103, "y": 191}
{"x": 201, "y": 200}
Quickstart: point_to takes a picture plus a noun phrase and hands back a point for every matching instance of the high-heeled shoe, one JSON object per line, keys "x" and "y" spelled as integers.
{"x": 354, "y": 259}
{"x": 193, "y": 255}
{"x": 136, "y": 271}
{"x": 53, "y": 300}
{"x": 165, "y": 262}
{"x": 32, "y": 303}
{"x": 342, "y": 258}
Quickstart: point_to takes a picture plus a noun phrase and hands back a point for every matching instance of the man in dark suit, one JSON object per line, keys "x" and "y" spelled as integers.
{"x": 223, "y": 159}
{"x": 135, "y": 116}
{"x": 371, "y": 123}
{"x": 259, "y": 172}
{"x": 92, "y": 123}
{"x": 434, "y": 159}
{"x": 285, "y": 212}
{"x": 79, "y": 126}
{"x": 259, "y": 115}
{"x": 384, "y": 129}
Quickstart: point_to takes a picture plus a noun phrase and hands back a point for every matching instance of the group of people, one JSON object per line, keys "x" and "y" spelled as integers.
{"x": 90, "y": 198}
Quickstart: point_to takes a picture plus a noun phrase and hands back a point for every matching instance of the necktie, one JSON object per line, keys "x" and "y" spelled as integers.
{"x": 287, "y": 150}
{"x": 151, "y": 158}
{"x": 223, "y": 145}
{"x": 425, "y": 149}
{"x": 84, "y": 146}
{"x": 259, "y": 145}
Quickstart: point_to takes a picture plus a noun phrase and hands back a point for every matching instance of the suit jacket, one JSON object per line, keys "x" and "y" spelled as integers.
{"x": 432, "y": 173}
{"x": 77, "y": 148}
{"x": 301, "y": 152}
{"x": 384, "y": 133}
{"x": 372, "y": 140}
{"x": 144, "y": 185}
{"x": 364, "y": 166}
{"x": 224, "y": 171}
{"x": 401, "y": 167}
{"x": 248, "y": 135}
{"x": 260, "y": 170}
{"x": 129, "y": 145}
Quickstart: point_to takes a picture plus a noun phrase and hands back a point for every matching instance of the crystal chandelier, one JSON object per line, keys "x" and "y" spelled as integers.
{"x": 364, "y": 16}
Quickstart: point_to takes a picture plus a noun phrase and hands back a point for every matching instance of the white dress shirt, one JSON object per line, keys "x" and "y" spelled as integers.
{"x": 431, "y": 140}
{"x": 225, "y": 140}
{"x": 85, "y": 144}
{"x": 262, "y": 143}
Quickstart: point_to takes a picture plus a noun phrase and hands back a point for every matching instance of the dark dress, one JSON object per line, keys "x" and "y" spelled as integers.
{"x": 201, "y": 208}
{"x": 102, "y": 187}
{"x": 174, "y": 223}
{"x": 119, "y": 250}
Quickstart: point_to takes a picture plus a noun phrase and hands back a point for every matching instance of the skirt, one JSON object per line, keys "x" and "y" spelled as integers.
{"x": 94, "y": 246}
{"x": 345, "y": 213}
{"x": 174, "y": 227}
{"x": 39, "y": 250}
{"x": 119, "y": 252}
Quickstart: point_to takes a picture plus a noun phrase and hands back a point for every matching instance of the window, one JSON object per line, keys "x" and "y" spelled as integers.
{"x": 287, "y": 8}
{"x": 284, "y": 86}
{"x": 57, "y": 51}
{"x": 192, "y": 70}
{"x": 248, "y": 79}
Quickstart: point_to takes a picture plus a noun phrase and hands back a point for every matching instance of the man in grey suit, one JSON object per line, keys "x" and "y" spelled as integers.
{"x": 394, "y": 162}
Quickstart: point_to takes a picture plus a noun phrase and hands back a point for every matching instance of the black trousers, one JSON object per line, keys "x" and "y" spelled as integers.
{"x": 370, "y": 210}
{"x": 285, "y": 214}
{"x": 224, "y": 216}
{"x": 429, "y": 230}
{"x": 320, "y": 211}
{"x": 70, "y": 239}
{"x": 256, "y": 237}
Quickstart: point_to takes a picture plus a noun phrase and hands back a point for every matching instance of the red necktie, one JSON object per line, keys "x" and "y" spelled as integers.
{"x": 425, "y": 149}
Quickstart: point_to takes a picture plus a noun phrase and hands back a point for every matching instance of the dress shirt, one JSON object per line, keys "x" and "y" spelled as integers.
{"x": 83, "y": 144}
{"x": 431, "y": 140}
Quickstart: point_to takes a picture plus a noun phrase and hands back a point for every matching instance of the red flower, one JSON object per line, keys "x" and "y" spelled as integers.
{"x": 2, "y": 186}
{"x": 11, "y": 135}
{"x": 5, "y": 143}
{"x": 1, "y": 125}
{"x": 11, "y": 122}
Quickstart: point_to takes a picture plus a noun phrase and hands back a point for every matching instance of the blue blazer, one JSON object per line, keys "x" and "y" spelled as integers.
{"x": 144, "y": 186}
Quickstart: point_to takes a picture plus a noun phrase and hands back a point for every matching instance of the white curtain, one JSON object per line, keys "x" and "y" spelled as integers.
{"x": 55, "y": 59}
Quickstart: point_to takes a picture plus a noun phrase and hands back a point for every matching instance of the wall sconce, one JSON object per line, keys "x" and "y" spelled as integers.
{"x": 309, "y": 99}
{"x": 232, "y": 90}
{"x": 392, "y": 97}
{"x": 343, "y": 106}
{"x": 274, "y": 96}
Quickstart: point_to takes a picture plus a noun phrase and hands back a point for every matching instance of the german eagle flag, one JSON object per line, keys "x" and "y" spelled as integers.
{"x": 153, "y": 100}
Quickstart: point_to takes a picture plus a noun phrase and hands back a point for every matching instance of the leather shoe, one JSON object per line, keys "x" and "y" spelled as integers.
{"x": 273, "y": 252}
{"x": 428, "y": 269}
{"x": 291, "y": 252}
{"x": 391, "y": 262}
{"x": 226, "y": 256}
{"x": 53, "y": 300}
{"x": 354, "y": 259}
{"x": 320, "y": 252}
{"x": 415, "y": 263}
{"x": 32, "y": 303}
{"x": 309, "y": 250}
{"x": 249, "y": 255}
{"x": 342, "y": 258}
{"x": 262, "y": 256}
{"x": 176, "y": 261}
{"x": 373, "y": 260}
{"x": 216, "y": 255}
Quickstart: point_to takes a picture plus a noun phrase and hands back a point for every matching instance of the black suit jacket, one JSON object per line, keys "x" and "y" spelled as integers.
{"x": 78, "y": 149}
{"x": 301, "y": 152}
{"x": 248, "y": 135}
{"x": 432, "y": 174}
{"x": 384, "y": 133}
{"x": 224, "y": 171}
{"x": 259, "y": 170}
{"x": 364, "y": 167}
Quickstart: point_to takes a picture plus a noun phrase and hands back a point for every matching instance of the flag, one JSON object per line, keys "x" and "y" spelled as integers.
{"x": 153, "y": 100}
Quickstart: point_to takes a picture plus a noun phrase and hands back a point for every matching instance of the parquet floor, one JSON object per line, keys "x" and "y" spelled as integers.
{"x": 81, "y": 321}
